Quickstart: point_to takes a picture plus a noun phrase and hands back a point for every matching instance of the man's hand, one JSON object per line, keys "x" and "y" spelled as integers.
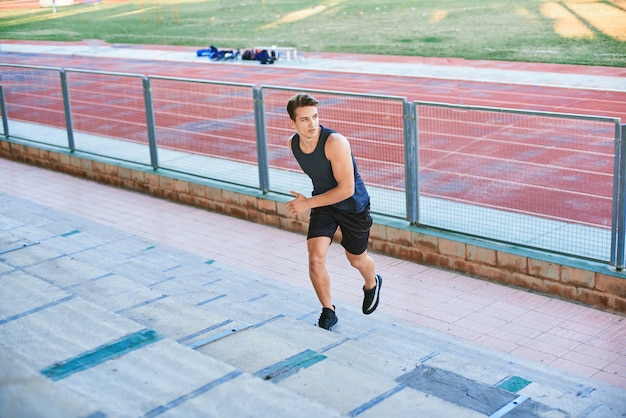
{"x": 299, "y": 204}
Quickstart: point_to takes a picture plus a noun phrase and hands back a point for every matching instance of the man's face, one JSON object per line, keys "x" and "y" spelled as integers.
{"x": 306, "y": 122}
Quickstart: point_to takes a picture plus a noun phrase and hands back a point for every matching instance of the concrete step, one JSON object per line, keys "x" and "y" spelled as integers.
{"x": 213, "y": 340}
{"x": 99, "y": 362}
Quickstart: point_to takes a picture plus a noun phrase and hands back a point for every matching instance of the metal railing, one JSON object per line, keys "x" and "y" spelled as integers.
{"x": 541, "y": 180}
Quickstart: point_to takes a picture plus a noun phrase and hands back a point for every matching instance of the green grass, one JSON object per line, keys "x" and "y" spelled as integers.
{"x": 472, "y": 29}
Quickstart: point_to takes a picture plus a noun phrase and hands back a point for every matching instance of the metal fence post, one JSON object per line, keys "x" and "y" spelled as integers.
{"x": 411, "y": 161}
{"x": 261, "y": 139}
{"x": 152, "y": 143}
{"x": 619, "y": 200}
{"x": 3, "y": 112}
{"x": 69, "y": 124}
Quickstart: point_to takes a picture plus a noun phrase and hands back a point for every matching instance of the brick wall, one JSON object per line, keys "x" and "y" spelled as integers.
{"x": 594, "y": 284}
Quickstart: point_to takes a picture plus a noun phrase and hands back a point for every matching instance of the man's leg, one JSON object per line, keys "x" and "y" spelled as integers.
{"x": 365, "y": 265}
{"x": 373, "y": 282}
{"x": 318, "y": 250}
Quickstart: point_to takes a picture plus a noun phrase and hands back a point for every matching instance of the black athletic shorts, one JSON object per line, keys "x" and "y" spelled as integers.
{"x": 355, "y": 227}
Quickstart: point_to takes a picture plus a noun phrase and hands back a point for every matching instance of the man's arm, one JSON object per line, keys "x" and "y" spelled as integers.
{"x": 339, "y": 154}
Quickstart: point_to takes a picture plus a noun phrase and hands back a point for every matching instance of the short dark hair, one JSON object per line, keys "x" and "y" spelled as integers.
{"x": 300, "y": 100}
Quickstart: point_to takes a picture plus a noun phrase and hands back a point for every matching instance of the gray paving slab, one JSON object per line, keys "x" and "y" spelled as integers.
{"x": 181, "y": 321}
{"x": 110, "y": 324}
{"x": 26, "y": 393}
{"x": 347, "y": 390}
{"x": 410, "y": 403}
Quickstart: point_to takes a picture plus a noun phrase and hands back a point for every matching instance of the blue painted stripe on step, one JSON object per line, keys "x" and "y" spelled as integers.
{"x": 35, "y": 310}
{"x": 268, "y": 320}
{"x": 307, "y": 315}
{"x": 104, "y": 276}
{"x": 368, "y": 405}
{"x": 204, "y": 302}
{"x": 204, "y": 331}
{"x": 335, "y": 344}
{"x": 509, "y": 407}
{"x": 17, "y": 247}
{"x": 101, "y": 354}
{"x": 428, "y": 357}
{"x": 184, "y": 398}
{"x": 513, "y": 384}
{"x": 290, "y": 366}
{"x": 218, "y": 336}
{"x": 67, "y": 234}
{"x": 13, "y": 270}
{"x": 139, "y": 305}
{"x": 172, "y": 268}
{"x": 161, "y": 281}
{"x": 70, "y": 287}
{"x": 258, "y": 297}
{"x": 211, "y": 282}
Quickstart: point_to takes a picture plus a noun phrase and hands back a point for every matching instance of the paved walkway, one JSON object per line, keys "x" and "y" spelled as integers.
{"x": 543, "y": 333}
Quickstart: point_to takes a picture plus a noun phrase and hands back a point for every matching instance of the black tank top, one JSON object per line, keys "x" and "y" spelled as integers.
{"x": 318, "y": 168}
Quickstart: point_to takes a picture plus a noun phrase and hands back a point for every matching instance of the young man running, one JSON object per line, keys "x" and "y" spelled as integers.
{"x": 339, "y": 199}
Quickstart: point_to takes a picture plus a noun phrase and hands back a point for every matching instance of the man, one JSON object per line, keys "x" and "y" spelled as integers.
{"x": 339, "y": 199}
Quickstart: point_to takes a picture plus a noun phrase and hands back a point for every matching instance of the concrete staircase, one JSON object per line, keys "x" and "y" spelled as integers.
{"x": 98, "y": 323}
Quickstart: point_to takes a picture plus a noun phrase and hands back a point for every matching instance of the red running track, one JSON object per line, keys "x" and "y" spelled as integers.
{"x": 497, "y": 95}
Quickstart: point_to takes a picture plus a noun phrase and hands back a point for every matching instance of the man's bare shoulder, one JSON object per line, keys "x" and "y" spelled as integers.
{"x": 337, "y": 145}
{"x": 337, "y": 140}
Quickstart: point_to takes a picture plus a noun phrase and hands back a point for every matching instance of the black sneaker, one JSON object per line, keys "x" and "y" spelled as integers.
{"x": 327, "y": 318}
{"x": 371, "y": 297}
